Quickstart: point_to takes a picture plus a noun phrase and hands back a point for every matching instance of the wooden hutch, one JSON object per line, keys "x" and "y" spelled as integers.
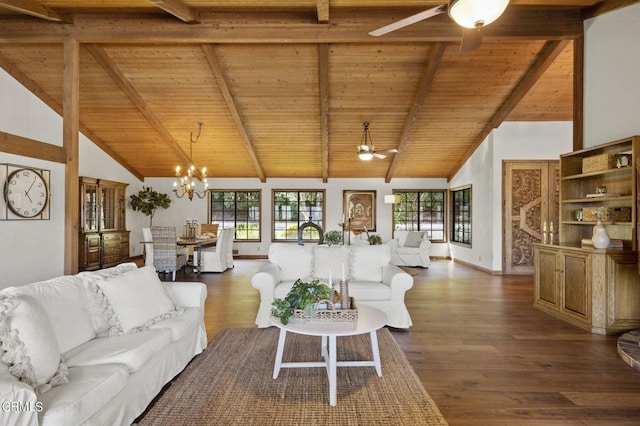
{"x": 596, "y": 289}
{"x": 104, "y": 239}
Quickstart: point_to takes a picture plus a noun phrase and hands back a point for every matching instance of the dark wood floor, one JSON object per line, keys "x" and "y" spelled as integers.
{"x": 483, "y": 353}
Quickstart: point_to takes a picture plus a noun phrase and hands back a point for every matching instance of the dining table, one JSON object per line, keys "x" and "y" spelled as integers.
{"x": 197, "y": 244}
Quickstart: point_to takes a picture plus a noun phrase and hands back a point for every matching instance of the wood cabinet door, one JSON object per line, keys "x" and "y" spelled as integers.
{"x": 576, "y": 285}
{"x": 530, "y": 199}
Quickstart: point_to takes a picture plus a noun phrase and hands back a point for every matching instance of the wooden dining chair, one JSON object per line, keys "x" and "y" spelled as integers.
{"x": 165, "y": 254}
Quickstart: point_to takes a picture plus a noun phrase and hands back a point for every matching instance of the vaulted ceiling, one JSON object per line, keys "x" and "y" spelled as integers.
{"x": 283, "y": 86}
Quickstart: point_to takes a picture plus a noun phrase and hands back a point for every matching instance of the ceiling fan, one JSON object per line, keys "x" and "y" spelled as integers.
{"x": 366, "y": 149}
{"x": 471, "y": 15}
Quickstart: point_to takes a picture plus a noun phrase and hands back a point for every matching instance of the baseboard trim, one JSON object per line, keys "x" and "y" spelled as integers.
{"x": 479, "y": 268}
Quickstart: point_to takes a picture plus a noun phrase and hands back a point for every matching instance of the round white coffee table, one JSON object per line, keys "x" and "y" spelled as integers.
{"x": 370, "y": 320}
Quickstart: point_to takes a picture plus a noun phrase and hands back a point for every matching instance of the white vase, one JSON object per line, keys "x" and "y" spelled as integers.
{"x": 600, "y": 237}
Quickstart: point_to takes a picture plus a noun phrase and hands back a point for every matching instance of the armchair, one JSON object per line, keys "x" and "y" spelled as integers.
{"x": 410, "y": 248}
{"x": 165, "y": 253}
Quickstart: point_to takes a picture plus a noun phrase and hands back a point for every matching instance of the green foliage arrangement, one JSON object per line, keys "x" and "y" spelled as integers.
{"x": 375, "y": 239}
{"x": 302, "y": 296}
{"x": 147, "y": 201}
{"x": 333, "y": 238}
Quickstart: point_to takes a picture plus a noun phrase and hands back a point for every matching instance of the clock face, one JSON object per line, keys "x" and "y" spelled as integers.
{"x": 26, "y": 193}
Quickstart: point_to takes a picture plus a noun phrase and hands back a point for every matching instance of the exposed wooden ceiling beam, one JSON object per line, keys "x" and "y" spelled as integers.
{"x": 322, "y": 6}
{"x": 607, "y": 6}
{"x": 523, "y": 23}
{"x": 539, "y": 65}
{"x": 26, "y": 147}
{"x": 433, "y": 61}
{"x": 225, "y": 88}
{"x": 125, "y": 85}
{"x": 323, "y": 79}
{"x": 55, "y": 106}
{"x": 178, "y": 9}
{"x": 32, "y": 8}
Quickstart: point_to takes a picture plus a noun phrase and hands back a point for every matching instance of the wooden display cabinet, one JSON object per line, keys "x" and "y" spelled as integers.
{"x": 104, "y": 239}
{"x": 596, "y": 289}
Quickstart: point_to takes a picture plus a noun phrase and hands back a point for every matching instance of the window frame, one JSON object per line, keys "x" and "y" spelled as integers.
{"x": 445, "y": 212}
{"x": 235, "y": 220}
{"x": 322, "y": 224}
{"x": 452, "y": 234}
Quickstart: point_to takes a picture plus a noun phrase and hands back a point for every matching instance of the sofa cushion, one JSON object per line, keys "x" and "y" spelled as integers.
{"x": 29, "y": 345}
{"x": 330, "y": 258}
{"x": 369, "y": 290}
{"x": 414, "y": 239}
{"x": 88, "y": 391}
{"x": 63, "y": 300}
{"x": 138, "y": 297}
{"x": 367, "y": 262}
{"x": 181, "y": 325}
{"x": 131, "y": 350}
{"x": 293, "y": 260}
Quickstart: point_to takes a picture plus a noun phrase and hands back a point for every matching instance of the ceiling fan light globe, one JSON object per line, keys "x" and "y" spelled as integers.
{"x": 366, "y": 156}
{"x": 476, "y": 13}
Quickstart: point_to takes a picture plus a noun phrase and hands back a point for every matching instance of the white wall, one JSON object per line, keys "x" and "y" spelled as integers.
{"x": 510, "y": 141}
{"x": 612, "y": 76}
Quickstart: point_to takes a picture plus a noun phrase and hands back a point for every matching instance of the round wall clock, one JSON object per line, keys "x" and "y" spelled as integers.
{"x": 26, "y": 192}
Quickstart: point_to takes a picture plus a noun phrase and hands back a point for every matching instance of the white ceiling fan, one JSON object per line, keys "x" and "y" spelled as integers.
{"x": 471, "y": 15}
{"x": 366, "y": 149}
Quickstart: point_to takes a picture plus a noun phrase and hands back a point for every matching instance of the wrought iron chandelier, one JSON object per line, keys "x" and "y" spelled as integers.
{"x": 185, "y": 183}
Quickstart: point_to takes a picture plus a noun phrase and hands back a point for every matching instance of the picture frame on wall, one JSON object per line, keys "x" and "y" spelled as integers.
{"x": 359, "y": 209}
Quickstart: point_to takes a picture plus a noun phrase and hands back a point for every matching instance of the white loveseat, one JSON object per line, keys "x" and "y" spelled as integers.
{"x": 410, "y": 248}
{"x": 95, "y": 348}
{"x": 372, "y": 279}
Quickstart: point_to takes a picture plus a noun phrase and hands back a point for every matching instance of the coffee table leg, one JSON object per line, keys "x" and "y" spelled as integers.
{"x": 279, "y": 352}
{"x": 323, "y": 346}
{"x": 333, "y": 367}
{"x": 376, "y": 352}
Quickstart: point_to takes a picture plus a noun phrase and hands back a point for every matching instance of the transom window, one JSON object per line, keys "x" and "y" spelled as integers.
{"x": 292, "y": 208}
{"x": 422, "y": 210}
{"x": 461, "y": 215}
{"x": 237, "y": 209}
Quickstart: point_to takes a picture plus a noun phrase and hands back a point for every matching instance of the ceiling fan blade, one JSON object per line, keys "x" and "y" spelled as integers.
{"x": 380, "y": 156}
{"x": 391, "y": 151}
{"x": 426, "y": 14}
{"x": 471, "y": 39}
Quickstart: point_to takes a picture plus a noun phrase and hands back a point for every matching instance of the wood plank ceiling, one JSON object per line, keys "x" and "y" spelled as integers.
{"x": 283, "y": 86}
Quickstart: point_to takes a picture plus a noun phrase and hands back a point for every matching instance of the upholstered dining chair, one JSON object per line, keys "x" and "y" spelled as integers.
{"x": 214, "y": 259}
{"x": 165, "y": 255}
{"x": 148, "y": 246}
{"x": 231, "y": 235}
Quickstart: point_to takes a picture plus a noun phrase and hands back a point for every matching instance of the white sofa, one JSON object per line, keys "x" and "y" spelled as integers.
{"x": 412, "y": 253}
{"x": 95, "y": 348}
{"x": 372, "y": 279}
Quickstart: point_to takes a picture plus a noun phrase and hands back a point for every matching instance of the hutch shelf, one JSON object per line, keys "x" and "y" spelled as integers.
{"x": 596, "y": 289}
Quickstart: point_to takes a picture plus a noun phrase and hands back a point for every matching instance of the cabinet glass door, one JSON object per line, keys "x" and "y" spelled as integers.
{"x": 90, "y": 207}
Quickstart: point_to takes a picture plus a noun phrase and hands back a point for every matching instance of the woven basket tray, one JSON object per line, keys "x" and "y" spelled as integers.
{"x": 329, "y": 314}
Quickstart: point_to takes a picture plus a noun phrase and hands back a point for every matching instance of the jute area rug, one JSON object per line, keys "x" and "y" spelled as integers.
{"x": 231, "y": 384}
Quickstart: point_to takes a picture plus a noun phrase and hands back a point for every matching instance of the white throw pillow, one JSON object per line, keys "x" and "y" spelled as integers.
{"x": 103, "y": 319}
{"x": 414, "y": 239}
{"x": 332, "y": 258}
{"x": 138, "y": 298}
{"x": 29, "y": 345}
{"x": 293, "y": 260}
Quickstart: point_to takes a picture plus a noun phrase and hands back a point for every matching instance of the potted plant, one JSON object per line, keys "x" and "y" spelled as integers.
{"x": 375, "y": 239}
{"x": 302, "y": 296}
{"x": 333, "y": 238}
{"x": 147, "y": 201}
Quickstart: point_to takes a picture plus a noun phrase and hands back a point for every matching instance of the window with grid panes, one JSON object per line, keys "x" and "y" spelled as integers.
{"x": 237, "y": 209}
{"x": 421, "y": 210}
{"x": 461, "y": 215}
{"x": 292, "y": 208}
